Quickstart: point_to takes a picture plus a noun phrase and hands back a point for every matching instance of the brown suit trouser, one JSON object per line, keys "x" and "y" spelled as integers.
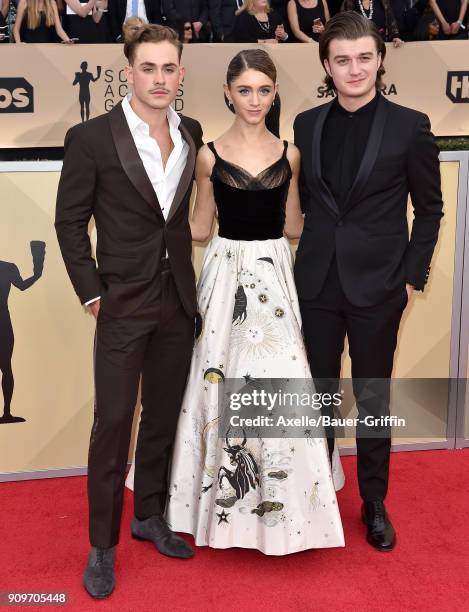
{"x": 156, "y": 343}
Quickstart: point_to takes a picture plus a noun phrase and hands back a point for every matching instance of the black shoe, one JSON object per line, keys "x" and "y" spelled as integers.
{"x": 381, "y": 533}
{"x": 156, "y": 530}
{"x": 99, "y": 578}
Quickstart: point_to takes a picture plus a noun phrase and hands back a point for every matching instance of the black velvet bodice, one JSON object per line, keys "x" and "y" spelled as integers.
{"x": 250, "y": 207}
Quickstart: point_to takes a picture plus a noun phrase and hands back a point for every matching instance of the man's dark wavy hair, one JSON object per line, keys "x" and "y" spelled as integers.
{"x": 349, "y": 25}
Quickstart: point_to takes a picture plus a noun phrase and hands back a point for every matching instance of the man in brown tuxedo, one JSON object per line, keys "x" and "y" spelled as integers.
{"x": 132, "y": 170}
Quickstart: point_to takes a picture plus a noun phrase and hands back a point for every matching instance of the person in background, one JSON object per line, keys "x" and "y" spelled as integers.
{"x": 79, "y": 22}
{"x": 451, "y": 16}
{"x": 281, "y": 8}
{"x": 257, "y": 22}
{"x": 101, "y": 18}
{"x": 307, "y": 19}
{"x": 428, "y": 28}
{"x": 37, "y": 21}
{"x": 4, "y": 30}
{"x": 130, "y": 26}
{"x": 381, "y": 13}
{"x": 195, "y": 11}
{"x": 149, "y": 11}
{"x": 222, "y": 16}
{"x": 407, "y": 14}
{"x": 185, "y": 32}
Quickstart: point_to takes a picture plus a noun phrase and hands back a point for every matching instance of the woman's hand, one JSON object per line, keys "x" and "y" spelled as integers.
{"x": 280, "y": 33}
{"x": 446, "y": 27}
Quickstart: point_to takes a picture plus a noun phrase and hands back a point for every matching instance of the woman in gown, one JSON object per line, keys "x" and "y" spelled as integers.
{"x": 249, "y": 328}
{"x": 38, "y": 21}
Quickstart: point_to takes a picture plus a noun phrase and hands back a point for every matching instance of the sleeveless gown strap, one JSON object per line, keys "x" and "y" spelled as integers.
{"x": 211, "y": 146}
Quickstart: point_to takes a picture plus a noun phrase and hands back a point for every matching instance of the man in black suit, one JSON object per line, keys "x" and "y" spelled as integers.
{"x": 120, "y": 10}
{"x": 356, "y": 267}
{"x": 132, "y": 170}
{"x": 194, "y": 11}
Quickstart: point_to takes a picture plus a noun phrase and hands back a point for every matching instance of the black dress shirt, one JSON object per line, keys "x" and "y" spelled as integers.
{"x": 343, "y": 143}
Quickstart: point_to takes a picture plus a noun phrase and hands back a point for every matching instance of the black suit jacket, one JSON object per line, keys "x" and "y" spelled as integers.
{"x": 103, "y": 177}
{"x": 222, "y": 17}
{"x": 369, "y": 235}
{"x": 117, "y": 10}
{"x": 177, "y": 11}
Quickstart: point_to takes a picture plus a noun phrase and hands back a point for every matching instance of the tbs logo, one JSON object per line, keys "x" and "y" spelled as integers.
{"x": 457, "y": 86}
{"x": 16, "y": 96}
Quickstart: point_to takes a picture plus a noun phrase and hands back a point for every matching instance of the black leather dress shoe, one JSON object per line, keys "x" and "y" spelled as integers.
{"x": 99, "y": 578}
{"x": 156, "y": 530}
{"x": 381, "y": 533}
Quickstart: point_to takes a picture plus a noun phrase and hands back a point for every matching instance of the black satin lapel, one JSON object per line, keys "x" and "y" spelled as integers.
{"x": 369, "y": 157}
{"x": 130, "y": 159}
{"x": 322, "y": 189}
{"x": 187, "y": 174}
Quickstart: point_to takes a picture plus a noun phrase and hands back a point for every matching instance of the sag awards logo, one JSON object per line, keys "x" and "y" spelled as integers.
{"x": 386, "y": 90}
{"x": 457, "y": 87}
{"x": 16, "y": 95}
{"x": 83, "y": 79}
{"x": 10, "y": 277}
{"x": 115, "y": 89}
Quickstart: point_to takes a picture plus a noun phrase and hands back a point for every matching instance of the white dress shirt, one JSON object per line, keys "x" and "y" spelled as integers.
{"x": 142, "y": 13}
{"x": 164, "y": 179}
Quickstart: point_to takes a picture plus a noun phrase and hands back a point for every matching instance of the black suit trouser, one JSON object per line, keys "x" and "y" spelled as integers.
{"x": 155, "y": 343}
{"x": 372, "y": 336}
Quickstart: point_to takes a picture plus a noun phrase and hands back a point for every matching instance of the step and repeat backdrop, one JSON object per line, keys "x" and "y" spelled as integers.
{"x": 42, "y": 87}
{"x": 46, "y": 337}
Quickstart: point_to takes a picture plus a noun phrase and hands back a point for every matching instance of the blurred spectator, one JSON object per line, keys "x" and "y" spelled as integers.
{"x": 381, "y": 13}
{"x": 120, "y": 10}
{"x": 79, "y": 21}
{"x": 407, "y": 14}
{"x": 185, "y": 32}
{"x": 194, "y": 11}
{"x": 130, "y": 26}
{"x": 4, "y": 30}
{"x": 280, "y": 7}
{"x": 307, "y": 18}
{"x": 450, "y": 14}
{"x": 257, "y": 22}
{"x": 37, "y": 21}
{"x": 101, "y": 18}
{"x": 222, "y": 15}
{"x": 428, "y": 28}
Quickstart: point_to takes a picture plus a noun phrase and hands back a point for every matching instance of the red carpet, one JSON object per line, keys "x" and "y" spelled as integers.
{"x": 44, "y": 545}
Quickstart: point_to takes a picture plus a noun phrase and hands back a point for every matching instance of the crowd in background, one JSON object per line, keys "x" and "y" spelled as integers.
{"x": 277, "y": 21}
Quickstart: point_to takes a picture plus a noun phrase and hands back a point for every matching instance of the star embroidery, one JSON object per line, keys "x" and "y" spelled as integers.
{"x": 223, "y": 517}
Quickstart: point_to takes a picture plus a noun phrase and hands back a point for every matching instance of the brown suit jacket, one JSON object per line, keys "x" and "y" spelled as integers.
{"x": 103, "y": 177}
